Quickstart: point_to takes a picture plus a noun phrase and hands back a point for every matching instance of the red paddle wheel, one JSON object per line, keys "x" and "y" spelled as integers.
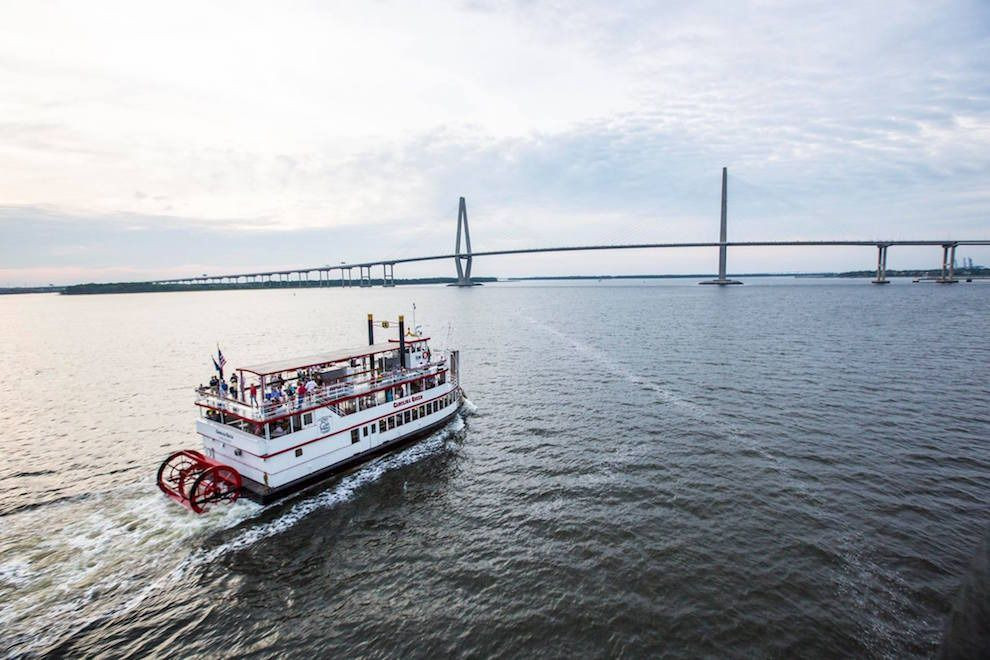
{"x": 197, "y": 482}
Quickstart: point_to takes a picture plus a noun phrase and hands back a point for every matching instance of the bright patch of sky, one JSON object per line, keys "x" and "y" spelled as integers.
{"x": 143, "y": 139}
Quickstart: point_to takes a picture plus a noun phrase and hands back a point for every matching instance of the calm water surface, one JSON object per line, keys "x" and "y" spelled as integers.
{"x": 791, "y": 467}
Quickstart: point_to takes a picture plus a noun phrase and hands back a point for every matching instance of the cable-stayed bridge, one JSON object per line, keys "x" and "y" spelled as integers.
{"x": 463, "y": 257}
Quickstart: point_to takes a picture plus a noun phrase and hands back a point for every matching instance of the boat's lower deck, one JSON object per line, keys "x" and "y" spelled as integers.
{"x": 263, "y": 494}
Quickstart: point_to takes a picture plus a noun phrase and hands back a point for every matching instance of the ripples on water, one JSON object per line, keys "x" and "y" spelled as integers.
{"x": 782, "y": 468}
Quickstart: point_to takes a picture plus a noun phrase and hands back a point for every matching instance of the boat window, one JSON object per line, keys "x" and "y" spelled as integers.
{"x": 415, "y": 413}
{"x": 406, "y": 416}
{"x": 365, "y": 432}
{"x": 381, "y": 425}
{"x": 391, "y": 422}
{"x": 354, "y": 436}
{"x": 374, "y": 427}
{"x": 307, "y": 419}
{"x": 422, "y": 411}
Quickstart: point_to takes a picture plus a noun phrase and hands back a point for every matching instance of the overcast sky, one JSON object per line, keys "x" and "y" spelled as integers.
{"x": 142, "y": 139}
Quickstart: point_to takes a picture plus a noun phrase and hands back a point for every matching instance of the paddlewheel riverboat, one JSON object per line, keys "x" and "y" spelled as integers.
{"x": 264, "y": 439}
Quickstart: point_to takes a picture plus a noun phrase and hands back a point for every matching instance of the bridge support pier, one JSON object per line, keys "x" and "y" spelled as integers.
{"x": 722, "y": 279}
{"x": 362, "y": 273}
{"x": 882, "y": 265}
{"x": 388, "y": 274}
{"x": 463, "y": 259}
{"x": 948, "y": 275}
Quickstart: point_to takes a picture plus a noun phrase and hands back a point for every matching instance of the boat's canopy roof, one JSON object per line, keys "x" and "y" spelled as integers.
{"x": 341, "y": 355}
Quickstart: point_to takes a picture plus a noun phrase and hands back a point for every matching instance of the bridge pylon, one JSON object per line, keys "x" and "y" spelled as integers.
{"x": 881, "y": 264}
{"x": 463, "y": 259}
{"x": 722, "y": 280}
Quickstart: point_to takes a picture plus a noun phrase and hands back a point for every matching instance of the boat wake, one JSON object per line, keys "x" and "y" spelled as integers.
{"x": 108, "y": 555}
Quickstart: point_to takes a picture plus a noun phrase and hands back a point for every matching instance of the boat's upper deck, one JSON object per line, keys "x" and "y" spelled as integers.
{"x": 328, "y": 395}
{"x": 280, "y": 388}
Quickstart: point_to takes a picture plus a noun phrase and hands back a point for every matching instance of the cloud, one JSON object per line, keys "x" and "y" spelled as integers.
{"x": 284, "y": 130}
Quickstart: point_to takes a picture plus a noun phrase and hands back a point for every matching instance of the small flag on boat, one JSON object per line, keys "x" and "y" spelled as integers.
{"x": 218, "y": 363}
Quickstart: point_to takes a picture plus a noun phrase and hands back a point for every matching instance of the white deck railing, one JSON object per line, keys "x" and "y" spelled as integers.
{"x": 323, "y": 396}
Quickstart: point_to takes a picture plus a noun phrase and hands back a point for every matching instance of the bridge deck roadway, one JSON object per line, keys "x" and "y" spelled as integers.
{"x": 578, "y": 248}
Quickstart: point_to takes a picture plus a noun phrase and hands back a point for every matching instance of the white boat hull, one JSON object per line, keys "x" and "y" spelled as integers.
{"x": 328, "y": 443}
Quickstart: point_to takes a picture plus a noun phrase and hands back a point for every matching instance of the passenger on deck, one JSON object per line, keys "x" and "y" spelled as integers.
{"x": 278, "y": 430}
{"x": 233, "y": 386}
{"x": 254, "y": 394}
{"x": 311, "y": 386}
{"x": 215, "y": 384}
{"x": 301, "y": 394}
{"x": 223, "y": 389}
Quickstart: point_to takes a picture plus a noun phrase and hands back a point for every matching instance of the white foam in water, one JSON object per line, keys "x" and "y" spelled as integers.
{"x": 342, "y": 492}
{"x": 116, "y": 535}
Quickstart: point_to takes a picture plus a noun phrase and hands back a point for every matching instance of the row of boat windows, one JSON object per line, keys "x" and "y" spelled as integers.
{"x": 391, "y": 394}
{"x": 399, "y": 419}
{"x": 298, "y": 422}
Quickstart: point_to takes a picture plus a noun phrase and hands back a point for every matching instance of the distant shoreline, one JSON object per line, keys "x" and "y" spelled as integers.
{"x": 94, "y": 288}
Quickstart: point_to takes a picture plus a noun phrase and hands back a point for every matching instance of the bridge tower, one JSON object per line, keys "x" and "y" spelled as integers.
{"x": 463, "y": 259}
{"x": 722, "y": 281}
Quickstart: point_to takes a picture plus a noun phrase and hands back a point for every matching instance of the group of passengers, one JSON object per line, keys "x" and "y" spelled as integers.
{"x": 305, "y": 388}
{"x": 222, "y": 389}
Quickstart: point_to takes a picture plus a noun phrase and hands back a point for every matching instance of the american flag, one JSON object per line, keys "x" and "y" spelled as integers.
{"x": 219, "y": 361}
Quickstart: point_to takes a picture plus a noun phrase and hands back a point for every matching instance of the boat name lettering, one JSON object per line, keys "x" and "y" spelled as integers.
{"x": 224, "y": 434}
{"x": 405, "y": 401}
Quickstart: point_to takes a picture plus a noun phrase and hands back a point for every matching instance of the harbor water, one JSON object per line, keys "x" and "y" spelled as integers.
{"x": 793, "y": 467}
